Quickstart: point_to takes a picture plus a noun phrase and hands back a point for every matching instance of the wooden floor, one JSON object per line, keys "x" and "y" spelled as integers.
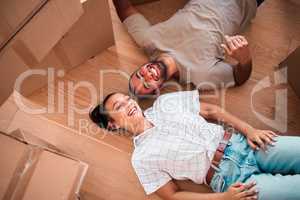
{"x": 273, "y": 35}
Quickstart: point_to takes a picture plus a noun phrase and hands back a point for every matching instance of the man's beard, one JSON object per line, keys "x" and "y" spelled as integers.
{"x": 163, "y": 70}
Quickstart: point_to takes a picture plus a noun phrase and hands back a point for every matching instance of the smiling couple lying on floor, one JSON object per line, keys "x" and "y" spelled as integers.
{"x": 175, "y": 139}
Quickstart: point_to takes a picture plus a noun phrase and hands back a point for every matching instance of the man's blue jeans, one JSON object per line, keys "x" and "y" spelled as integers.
{"x": 276, "y": 172}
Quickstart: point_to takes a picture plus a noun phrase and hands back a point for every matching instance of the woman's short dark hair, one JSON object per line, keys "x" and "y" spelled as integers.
{"x": 99, "y": 114}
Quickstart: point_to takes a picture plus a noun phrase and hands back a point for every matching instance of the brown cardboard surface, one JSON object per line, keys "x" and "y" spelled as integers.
{"x": 9, "y": 161}
{"x": 33, "y": 43}
{"x": 46, "y": 28}
{"x": 53, "y": 178}
{"x": 21, "y": 9}
{"x": 36, "y": 172}
{"x": 31, "y": 139}
{"x": 7, "y": 112}
{"x": 11, "y": 65}
{"x": 32, "y": 47}
{"x": 90, "y": 35}
{"x": 5, "y": 29}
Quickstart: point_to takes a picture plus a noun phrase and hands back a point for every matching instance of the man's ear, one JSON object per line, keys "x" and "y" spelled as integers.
{"x": 112, "y": 126}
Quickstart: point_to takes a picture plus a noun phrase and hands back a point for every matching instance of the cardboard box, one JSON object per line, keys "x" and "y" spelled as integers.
{"x": 62, "y": 35}
{"x": 292, "y": 62}
{"x": 31, "y": 47}
{"x": 89, "y": 36}
{"x": 45, "y": 29}
{"x": 33, "y": 171}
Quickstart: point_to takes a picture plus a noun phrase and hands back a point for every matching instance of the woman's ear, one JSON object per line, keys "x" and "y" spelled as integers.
{"x": 111, "y": 126}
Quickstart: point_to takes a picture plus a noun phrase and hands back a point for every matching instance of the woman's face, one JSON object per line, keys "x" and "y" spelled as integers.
{"x": 123, "y": 111}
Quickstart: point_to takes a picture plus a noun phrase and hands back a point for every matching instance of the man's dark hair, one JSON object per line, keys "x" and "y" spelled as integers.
{"x": 132, "y": 91}
{"x": 99, "y": 114}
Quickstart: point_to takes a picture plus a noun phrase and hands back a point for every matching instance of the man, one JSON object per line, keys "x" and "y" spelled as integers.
{"x": 191, "y": 44}
{"x": 174, "y": 140}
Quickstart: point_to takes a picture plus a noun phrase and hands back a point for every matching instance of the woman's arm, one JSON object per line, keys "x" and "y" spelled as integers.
{"x": 256, "y": 138}
{"x": 237, "y": 191}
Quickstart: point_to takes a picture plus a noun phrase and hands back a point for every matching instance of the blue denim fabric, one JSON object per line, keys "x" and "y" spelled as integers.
{"x": 277, "y": 171}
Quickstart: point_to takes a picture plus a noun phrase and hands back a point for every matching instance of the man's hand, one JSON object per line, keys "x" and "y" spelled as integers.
{"x": 237, "y": 48}
{"x": 239, "y": 191}
{"x": 260, "y": 138}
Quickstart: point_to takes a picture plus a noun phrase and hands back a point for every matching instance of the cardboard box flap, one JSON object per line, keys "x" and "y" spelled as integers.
{"x": 17, "y": 166}
{"x": 33, "y": 172}
{"x": 28, "y": 138}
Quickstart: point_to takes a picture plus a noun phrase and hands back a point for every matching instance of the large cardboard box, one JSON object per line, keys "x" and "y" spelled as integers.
{"x": 34, "y": 171}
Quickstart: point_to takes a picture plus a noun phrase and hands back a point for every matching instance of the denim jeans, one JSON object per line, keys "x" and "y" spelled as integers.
{"x": 276, "y": 172}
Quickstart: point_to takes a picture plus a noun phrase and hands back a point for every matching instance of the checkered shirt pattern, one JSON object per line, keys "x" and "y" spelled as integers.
{"x": 181, "y": 144}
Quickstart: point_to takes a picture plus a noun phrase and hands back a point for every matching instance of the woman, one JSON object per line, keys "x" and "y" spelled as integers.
{"x": 173, "y": 140}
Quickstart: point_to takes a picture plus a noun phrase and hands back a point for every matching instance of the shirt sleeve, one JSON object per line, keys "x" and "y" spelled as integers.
{"x": 178, "y": 102}
{"x": 137, "y": 26}
{"x": 221, "y": 75}
{"x": 150, "y": 179}
{"x": 218, "y": 74}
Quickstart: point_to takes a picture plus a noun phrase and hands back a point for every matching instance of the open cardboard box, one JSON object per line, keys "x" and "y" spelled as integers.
{"x": 33, "y": 169}
{"x": 61, "y": 35}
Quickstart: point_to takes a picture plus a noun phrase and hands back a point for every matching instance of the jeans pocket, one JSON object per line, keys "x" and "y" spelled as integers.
{"x": 218, "y": 183}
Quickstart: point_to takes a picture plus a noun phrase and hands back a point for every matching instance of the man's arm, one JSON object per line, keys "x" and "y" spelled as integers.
{"x": 124, "y": 9}
{"x": 256, "y": 138}
{"x": 237, "y": 191}
{"x": 237, "y": 47}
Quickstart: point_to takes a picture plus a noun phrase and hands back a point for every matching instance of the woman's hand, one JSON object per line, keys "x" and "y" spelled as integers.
{"x": 261, "y": 139}
{"x": 239, "y": 191}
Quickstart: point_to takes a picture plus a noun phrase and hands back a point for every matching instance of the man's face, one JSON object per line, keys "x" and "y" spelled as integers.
{"x": 148, "y": 78}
